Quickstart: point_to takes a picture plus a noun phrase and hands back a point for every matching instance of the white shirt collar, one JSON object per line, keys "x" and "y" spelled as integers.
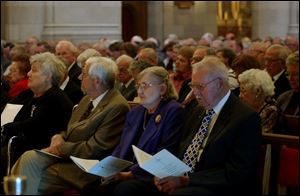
{"x": 127, "y": 84}
{"x": 64, "y": 84}
{"x": 217, "y": 108}
{"x": 69, "y": 68}
{"x": 98, "y": 99}
{"x": 278, "y": 75}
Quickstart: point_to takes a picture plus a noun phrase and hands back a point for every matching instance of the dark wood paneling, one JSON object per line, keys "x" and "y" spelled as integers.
{"x": 134, "y": 19}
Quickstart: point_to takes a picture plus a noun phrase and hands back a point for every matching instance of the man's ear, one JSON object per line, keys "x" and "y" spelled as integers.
{"x": 219, "y": 83}
{"x": 97, "y": 81}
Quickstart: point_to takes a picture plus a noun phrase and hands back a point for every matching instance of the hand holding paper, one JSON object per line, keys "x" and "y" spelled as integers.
{"x": 162, "y": 164}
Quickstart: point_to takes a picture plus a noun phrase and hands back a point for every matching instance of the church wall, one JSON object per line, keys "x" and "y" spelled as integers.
{"x": 91, "y": 20}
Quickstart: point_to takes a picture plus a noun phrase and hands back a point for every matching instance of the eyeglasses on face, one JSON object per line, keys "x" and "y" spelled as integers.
{"x": 196, "y": 59}
{"x": 144, "y": 85}
{"x": 201, "y": 87}
{"x": 123, "y": 70}
{"x": 270, "y": 60}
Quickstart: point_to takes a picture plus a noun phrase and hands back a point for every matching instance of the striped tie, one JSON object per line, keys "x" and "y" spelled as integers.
{"x": 87, "y": 112}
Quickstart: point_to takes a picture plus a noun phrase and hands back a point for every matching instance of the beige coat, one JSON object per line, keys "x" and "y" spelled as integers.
{"x": 93, "y": 138}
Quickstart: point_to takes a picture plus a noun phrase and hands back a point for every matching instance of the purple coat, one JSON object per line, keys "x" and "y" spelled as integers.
{"x": 163, "y": 131}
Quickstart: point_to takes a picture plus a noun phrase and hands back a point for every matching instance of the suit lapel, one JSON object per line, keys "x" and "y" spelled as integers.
{"x": 222, "y": 121}
{"x": 151, "y": 128}
{"x": 101, "y": 105}
{"x": 99, "y": 108}
{"x": 192, "y": 127}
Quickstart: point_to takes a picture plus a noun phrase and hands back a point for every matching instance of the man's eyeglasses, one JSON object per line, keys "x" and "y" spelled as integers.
{"x": 144, "y": 85}
{"x": 201, "y": 87}
{"x": 269, "y": 60}
{"x": 196, "y": 59}
{"x": 123, "y": 70}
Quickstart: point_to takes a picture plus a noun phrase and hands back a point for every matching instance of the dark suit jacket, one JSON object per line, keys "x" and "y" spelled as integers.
{"x": 74, "y": 72}
{"x": 281, "y": 85}
{"x": 163, "y": 133}
{"x": 40, "y": 118}
{"x": 130, "y": 92}
{"x": 73, "y": 91}
{"x": 284, "y": 101}
{"x": 184, "y": 90}
{"x": 228, "y": 161}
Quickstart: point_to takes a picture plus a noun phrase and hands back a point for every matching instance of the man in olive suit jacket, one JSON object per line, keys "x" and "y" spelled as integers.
{"x": 93, "y": 132}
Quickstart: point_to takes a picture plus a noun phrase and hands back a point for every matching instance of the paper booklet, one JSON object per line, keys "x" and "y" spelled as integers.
{"x": 104, "y": 168}
{"x": 9, "y": 113}
{"x": 162, "y": 164}
{"x": 48, "y": 154}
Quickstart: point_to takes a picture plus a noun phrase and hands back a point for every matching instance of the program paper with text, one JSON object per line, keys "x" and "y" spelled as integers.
{"x": 162, "y": 164}
{"x": 9, "y": 113}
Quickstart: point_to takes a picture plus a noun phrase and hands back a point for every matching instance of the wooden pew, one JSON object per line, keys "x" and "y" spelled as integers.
{"x": 273, "y": 145}
{"x": 280, "y": 139}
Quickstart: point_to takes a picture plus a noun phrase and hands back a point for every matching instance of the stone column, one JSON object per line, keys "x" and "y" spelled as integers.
{"x": 293, "y": 28}
{"x": 82, "y": 20}
{"x": 155, "y": 20}
{"x": 23, "y": 19}
{"x": 270, "y": 18}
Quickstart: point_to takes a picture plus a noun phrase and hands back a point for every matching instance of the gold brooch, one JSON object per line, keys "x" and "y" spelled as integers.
{"x": 158, "y": 118}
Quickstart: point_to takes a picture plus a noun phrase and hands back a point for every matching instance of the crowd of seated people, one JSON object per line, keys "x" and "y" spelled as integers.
{"x": 260, "y": 75}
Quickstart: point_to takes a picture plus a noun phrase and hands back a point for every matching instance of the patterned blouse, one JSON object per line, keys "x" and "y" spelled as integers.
{"x": 268, "y": 115}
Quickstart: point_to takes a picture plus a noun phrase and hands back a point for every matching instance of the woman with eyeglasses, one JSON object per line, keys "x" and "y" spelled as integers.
{"x": 153, "y": 125}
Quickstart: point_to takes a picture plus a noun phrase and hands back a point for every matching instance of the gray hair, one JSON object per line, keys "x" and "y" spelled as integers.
{"x": 209, "y": 50}
{"x": 70, "y": 45}
{"x": 150, "y": 54}
{"x": 282, "y": 53}
{"x": 51, "y": 64}
{"x": 125, "y": 58}
{"x": 140, "y": 65}
{"x": 216, "y": 67}
{"x": 104, "y": 68}
{"x": 293, "y": 59}
{"x": 162, "y": 76}
{"x": 258, "y": 79}
{"x": 85, "y": 55}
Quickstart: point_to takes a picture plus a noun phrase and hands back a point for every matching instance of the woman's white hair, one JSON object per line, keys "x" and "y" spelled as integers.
{"x": 258, "y": 79}
{"x": 51, "y": 64}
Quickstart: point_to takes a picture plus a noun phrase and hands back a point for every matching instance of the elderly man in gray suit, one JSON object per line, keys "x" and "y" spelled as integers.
{"x": 93, "y": 132}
